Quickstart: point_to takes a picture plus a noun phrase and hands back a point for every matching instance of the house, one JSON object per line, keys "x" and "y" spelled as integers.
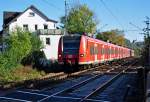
{"x": 35, "y": 21}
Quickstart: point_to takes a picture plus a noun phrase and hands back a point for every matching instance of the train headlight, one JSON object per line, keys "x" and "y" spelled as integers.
{"x": 81, "y": 55}
{"x": 59, "y": 55}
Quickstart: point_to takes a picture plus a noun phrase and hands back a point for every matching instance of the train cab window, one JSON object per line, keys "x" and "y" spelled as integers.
{"x": 71, "y": 44}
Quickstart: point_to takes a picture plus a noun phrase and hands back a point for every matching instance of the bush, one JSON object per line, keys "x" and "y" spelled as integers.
{"x": 33, "y": 58}
{"x": 19, "y": 45}
{"x": 145, "y": 51}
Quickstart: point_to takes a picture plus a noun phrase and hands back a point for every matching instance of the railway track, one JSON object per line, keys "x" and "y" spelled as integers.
{"x": 81, "y": 89}
{"x": 61, "y": 76}
{"x": 104, "y": 80}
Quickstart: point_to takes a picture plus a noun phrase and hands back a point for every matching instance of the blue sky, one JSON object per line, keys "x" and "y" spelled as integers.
{"x": 125, "y": 11}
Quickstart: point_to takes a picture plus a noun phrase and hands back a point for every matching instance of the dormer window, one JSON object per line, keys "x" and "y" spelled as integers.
{"x": 31, "y": 14}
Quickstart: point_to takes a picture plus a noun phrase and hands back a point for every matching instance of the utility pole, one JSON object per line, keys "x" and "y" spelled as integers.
{"x": 147, "y": 36}
{"x": 147, "y": 29}
{"x": 66, "y": 14}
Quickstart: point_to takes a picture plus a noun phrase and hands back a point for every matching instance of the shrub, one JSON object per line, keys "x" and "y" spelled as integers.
{"x": 18, "y": 45}
{"x": 35, "y": 54}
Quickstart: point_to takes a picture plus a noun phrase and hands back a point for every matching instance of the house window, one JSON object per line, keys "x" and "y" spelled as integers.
{"x": 36, "y": 27}
{"x": 25, "y": 27}
{"x": 48, "y": 41}
{"x": 31, "y": 14}
{"x": 54, "y": 25}
{"x": 45, "y": 26}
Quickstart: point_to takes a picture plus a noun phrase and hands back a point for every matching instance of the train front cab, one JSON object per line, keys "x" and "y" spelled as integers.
{"x": 68, "y": 50}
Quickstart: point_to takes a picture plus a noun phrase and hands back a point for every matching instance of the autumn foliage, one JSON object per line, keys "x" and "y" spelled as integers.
{"x": 113, "y": 36}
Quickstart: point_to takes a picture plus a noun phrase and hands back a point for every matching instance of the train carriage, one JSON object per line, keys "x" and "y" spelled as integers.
{"x": 84, "y": 50}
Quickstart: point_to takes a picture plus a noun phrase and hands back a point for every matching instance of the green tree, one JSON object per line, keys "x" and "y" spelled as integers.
{"x": 36, "y": 43}
{"x": 80, "y": 19}
{"x": 146, "y": 50}
{"x": 35, "y": 54}
{"x": 114, "y": 36}
{"x": 19, "y": 45}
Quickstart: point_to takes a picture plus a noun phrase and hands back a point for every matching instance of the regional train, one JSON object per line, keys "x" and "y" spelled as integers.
{"x": 81, "y": 50}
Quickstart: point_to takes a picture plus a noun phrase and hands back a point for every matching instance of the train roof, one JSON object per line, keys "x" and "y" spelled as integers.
{"x": 97, "y": 40}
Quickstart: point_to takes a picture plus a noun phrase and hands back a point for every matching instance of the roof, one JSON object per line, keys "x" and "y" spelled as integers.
{"x": 40, "y": 13}
{"x": 12, "y": 16}
{"x": 1, "y": 32}
{"x": 9, "y": 16}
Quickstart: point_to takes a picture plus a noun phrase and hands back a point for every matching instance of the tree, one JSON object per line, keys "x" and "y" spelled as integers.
{"x": 80, "y": 19}
{"x": 114, "y": 36}
{"x": 18, "y": 46}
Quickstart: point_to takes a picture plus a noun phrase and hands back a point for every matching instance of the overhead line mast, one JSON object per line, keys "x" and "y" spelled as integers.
{"x": 147, "y": 36}
{"x": 66, "y": 17}
{"x": 147, "y": 29}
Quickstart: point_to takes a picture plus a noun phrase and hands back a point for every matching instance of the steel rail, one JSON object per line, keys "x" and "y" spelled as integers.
{"x": 106, "y": 84}
{"x": 72, "y": 87}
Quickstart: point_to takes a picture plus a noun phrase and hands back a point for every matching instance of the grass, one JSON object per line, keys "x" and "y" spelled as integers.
{"x": 21, "y": 73}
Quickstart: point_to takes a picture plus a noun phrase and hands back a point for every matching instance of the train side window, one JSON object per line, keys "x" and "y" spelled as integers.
{"x": 102, "y": 50}
{"x": 116, "y": 51}
{"x": 95, "y": 50}
{"x": 112, "y": 51}
{"x": 108, "y": 50}
{"x": 91, "y": 50}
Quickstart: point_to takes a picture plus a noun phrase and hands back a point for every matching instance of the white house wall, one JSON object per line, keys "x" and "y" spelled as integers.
{"x": 31, "y": 21}
{"x": 51, "y": 51}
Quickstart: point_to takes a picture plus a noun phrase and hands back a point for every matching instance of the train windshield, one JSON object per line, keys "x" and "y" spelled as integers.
{"x": 71, "y": 44}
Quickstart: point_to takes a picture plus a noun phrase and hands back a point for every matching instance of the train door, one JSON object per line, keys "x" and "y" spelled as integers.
{"x": 103, "y": 53}
{"x": 110, "y": 48}
{"x": 99, "y": 52}
{"x": 91, "y": 58}
{"x": 95, "y": 52}
{"x": 112, "y": 53}
{"x": 108, "y": 53}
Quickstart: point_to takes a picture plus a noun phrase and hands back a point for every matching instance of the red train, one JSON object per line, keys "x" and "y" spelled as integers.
{"x": 84, "y": 50}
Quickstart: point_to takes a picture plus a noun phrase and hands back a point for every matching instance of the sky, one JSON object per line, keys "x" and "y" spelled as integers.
{"x": 111, "y": 14}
